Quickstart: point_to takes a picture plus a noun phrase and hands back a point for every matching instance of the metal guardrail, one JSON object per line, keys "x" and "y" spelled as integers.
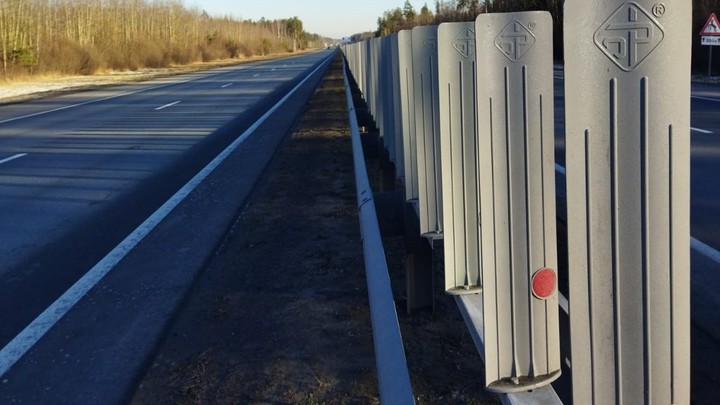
{"x": 393, "y": 377}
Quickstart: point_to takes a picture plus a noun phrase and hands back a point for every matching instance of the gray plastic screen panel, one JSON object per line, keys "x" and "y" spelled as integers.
{"x": 517, "y": 199}
{"x": 375, "y": 81}
{"x": 627, "y": 81}
{"x": 368, "y": 60}
{"x": 427, "y": 129}
{"x": 458, "y": 150}
{"x": 384, "y": 120}
{"x": 407, "y": 113}
{"x": 387, "y": 103}
{"x": 394, "y": 77}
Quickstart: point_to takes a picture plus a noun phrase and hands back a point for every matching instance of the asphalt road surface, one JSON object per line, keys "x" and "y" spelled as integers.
{"x": 80, "y": 173}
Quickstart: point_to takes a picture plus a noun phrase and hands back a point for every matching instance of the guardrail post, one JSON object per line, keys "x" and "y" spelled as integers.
{"x": 627, "y": 97}
{"x": 458, "y": 138}
{"x": 406, "y": 96}
{"x": 427, "y": 129}
{"x": 517, "y": 200}
{"x": 395, "y": 108}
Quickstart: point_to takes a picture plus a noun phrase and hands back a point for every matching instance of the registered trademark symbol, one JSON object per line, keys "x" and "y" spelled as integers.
{"x": 659, "y": 10}
{"x": 532, "y": 25}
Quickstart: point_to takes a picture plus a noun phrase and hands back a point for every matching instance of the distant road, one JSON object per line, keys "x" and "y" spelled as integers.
{"x": 80, "y": 172}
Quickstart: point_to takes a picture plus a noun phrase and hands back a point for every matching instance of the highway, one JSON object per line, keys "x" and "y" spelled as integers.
{"x": 80, "y": 173}
{"x": 85, "y": 184}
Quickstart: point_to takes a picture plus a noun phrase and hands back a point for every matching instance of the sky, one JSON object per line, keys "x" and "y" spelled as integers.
{"x": 329, "y": 18}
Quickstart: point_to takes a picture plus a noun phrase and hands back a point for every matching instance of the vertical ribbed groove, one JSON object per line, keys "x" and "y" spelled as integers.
{"x": 645, "y": 202}
{"x": 614, "y": 203}
{"x": 528, "y": 213}
{"x": 588, "y": 240}
{"x": 466, "y": 249}
{"x": 543, "y": 191}
{"x": 412, "y": 134}
{"x": 671, "y": 268}
{"x": 452, "y": 174}
{"x": 508, "y": 176}
{"x": 478, "y": 204}
{"x": 494, "y": 223}
{"x": 435, "y": 149}
{"x": 544, "y": 225}
{"x": 423, "y": 135}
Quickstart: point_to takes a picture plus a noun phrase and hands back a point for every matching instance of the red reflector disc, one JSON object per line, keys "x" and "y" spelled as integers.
{"x": 543, "y": 283}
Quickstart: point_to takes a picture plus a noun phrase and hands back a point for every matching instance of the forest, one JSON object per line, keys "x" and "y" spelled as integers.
{"x": 406, "y": 17}
{"x": 66, "y": 37}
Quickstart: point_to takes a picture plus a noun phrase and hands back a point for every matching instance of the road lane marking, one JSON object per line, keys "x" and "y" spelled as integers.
{"x": 706, "y": 98}
{"x": 167, "y": 106}
{"x": 227, "y": 85}
{"x": 563, "y": 302}
{"x": 67, "y": 107}
{"x": 707, "y": 250}
{"x": 702, "y": 131}
{"x": 256, "y": 75}
{"x": 696, "y": 244}
{"x": 14, "y": 157}
{"x": 25, "y": 340}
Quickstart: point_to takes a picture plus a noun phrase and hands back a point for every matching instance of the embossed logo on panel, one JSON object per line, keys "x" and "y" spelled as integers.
{"x": 431, "y": 44}
{"x": 515, "y": 41}
{"x": 465, "y": 43}
{"x": 629, "y": 36}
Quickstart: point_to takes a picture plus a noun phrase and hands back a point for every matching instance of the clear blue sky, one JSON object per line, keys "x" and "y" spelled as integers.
{"x": 330, "y": 18}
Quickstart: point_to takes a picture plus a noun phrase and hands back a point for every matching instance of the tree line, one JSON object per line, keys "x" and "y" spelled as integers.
{"x": 407, "y": 17}
{"x": 86, "y": 36}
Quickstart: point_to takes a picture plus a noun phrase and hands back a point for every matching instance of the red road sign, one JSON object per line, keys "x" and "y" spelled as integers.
{"x": 712, "y": 27}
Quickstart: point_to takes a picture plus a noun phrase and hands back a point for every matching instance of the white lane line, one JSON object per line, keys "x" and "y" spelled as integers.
{"x": 256, "y": 75}
{"x": 695, "y": 244}
{"x": 32, "y": 333}
{"x": 167, "y": 106}
{"x": 11, "y": 158}
{"x": 706, "y": 98}
{"x": 564, "y": 303}
{"x": 702, "y": 131}
{"x": 227, "y": 85}
{"x": 67, "y": 107}
{"x": 705, "y": 249}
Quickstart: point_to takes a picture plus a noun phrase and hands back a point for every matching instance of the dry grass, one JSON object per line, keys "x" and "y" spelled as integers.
{"x": 26, "y": 86}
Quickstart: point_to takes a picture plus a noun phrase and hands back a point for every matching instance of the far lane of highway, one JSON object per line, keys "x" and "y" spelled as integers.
{"x": 79, "y": 172}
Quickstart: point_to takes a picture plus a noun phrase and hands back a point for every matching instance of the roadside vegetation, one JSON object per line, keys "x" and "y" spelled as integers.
{"x": 83, "y": 37}
{"x": 406, "y": 17}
